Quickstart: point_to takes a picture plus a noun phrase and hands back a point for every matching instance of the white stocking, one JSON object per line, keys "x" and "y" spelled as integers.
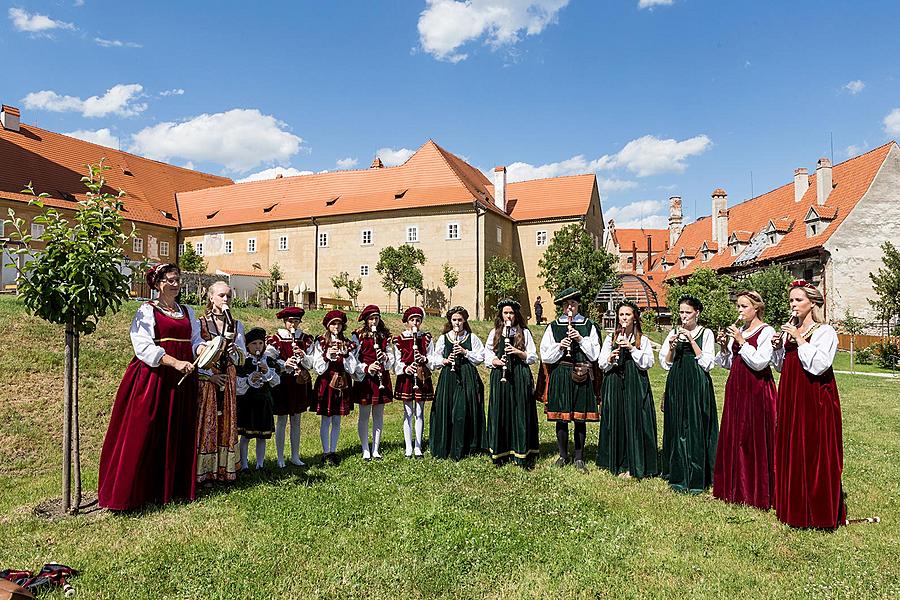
{"x": 335, "y": 432}
{"x": 407, "y": 427}
{"x": 280, "y": 425}
{"x": 295, "y": 439}
{"x": 377, "y": 425}
{"x": 260, "y": 452}
{"x": 363, "y": 429}
{"x": 323, "y": 433}
{"x": 245, "y": 449}
{"x": 420, "y": 426}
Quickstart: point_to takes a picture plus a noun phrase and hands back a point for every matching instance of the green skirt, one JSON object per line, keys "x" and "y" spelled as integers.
{"x": 512, "y": 430}
{"x": 627, "y": 423}
{"x": 690, "y": 426}
{"x": 457, "y": 414}
{"x": 570, "y": 401}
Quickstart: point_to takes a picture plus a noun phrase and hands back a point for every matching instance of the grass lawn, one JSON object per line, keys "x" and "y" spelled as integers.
{"x": 423, "y": 528}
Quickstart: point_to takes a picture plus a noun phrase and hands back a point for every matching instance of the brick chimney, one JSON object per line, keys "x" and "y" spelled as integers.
{"x": 9, "y": 117}
{"x": 649, "y": 252}
{"x": 676, "y": 221}
{"x": 801, "y": 183}
{"x": 500, "y": 188}
{"x": 720, "y": 217}
{"x": 376, "y": 164}
{"x": 633, "y": 255}
{"x": 823, "y": 180}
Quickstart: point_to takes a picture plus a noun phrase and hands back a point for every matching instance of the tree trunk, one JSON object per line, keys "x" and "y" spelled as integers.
{"x": 76, "y": 430}
{"x": 67, "y": 422}
{"x": 851, "y": 352}
{"x": 398, "y": 300}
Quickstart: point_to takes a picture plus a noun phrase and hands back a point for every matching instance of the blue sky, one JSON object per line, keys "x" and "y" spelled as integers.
{"x": 658, "y": 97}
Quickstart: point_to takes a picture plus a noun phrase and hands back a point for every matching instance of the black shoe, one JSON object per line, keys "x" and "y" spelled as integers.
{"x": 560, "y": 462}
{"x": 580, "y": 467}
{"x": 334, "y": 459}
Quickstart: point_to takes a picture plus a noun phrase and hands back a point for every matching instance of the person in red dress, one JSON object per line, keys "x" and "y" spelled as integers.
{"x": 149, "y": 453}
{"x": 414, "y": 386}
{"x": 809, "y": 448}
{"x": 744, "y": 471}
{"x": 292, "y": 349}
{"x": 334, "y": 361}
{"x": 372, "y": 388}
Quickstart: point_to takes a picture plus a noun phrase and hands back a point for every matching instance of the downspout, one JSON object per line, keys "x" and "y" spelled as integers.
{"x": 316, "y": 260}
{"x": 477, "y": 260}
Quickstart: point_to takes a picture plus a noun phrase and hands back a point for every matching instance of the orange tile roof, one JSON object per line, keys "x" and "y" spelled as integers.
{"x": 626, "y": 237}
{"x": 262, "y": 274}
{"x": 55, "y": 164}
{"x": 851, "y": 179}
{"x": 741, "y": 236}
{"x": 556, "y": 197}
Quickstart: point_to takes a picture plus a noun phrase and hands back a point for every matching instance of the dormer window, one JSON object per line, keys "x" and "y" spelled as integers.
{"x": 817, "y": 219}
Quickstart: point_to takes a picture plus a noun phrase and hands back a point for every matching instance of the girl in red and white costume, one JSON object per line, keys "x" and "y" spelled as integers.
{"x": 372, "y": 388}
{"x": 414, "y": 386}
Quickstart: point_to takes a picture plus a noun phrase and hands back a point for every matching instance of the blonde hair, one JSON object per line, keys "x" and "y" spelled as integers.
{"x": 209, "y": 293}
{"x": 755, "y": 300}
{"x": 817, "y": 299}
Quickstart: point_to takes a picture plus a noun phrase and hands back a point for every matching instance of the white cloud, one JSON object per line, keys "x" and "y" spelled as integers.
{"x": 445, "y": 25}
{"x": 654, "y": 3}
{"x": 78, "y": 3}
{"x": 120, "y": 99}
{"x": 615, "y": 185}
{"x": 892, "y": 122}
{"x": 643, "y": 213}
{"x": 239, "y": 139}
{"x": 855, "y": 86}
{"x": 172, "y": 92}
{"x": 391, "y": 158}
{"x": 271, "y": 173}
{"x": 115, "y": 43}
{"x": 521, "y": 171}
{"x": 347, "y": 163}
{"x": 103, "y": 137}
{"x": 35, "y": 23}
{"x": 852, "y": 150}
{"x": 649, "y": 155}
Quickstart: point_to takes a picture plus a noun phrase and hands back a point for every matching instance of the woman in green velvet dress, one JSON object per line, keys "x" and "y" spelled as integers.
{"x": 690, "y": 425}
{"x": 512, "y": 431}
{"x": 627, "y": 444}
{"x": 456, "y": 427}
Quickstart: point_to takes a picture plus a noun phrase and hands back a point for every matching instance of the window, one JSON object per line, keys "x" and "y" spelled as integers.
{"x": 137, "y": 244}
{"x": 365, "y": 238}
{"x": 771, "y": 237}
{"x": 323, "y": 239}
{"x": 363, "y": 270}
{"x": 628, "y": 260}
{"x": 199, "y": 248}
{"x": 282, "y": 243}
{"x": 180, "y": 249}
{"x": 808, "y": 274}
{"x": 541, "y": 238}
{"x": 412, "y": 234}
{"x": 251, "y": 245}
{"x": 811, "y": 229}
{"x": 37, "y": 230}
{"x": 229, "y": 247}
{"x": 452, "y": 231}
{"x": 499, "y": 234}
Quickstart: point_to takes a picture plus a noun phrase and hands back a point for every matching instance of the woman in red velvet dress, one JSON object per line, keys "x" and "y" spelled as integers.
{"x": 372, "y": 386}
{"x": 744, "y": 471}
{"x": 335, "y": 362}
{"x": 809, "y": 449}
{"x": 150, "y": 450}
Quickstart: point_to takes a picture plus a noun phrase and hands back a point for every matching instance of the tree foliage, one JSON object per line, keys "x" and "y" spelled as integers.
{"x": 190, "y": 261}
{"x": 571, "y": 260}
{"x": 343, "y": 281}
{"x": 502, "y": 279}
{"x": 886, "y": 284}
{"x": 713, "y": 290}
{"x": 451, "y": 279}
{"x": 275, "y": 274}
{"x": 772, "y": 284}
{"x": 399, "y": 269}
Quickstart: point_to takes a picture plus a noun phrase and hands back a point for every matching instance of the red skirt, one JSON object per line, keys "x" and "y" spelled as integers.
{"x": 406, "y": 391}
{"x": 290, "y": 397}
{"x": 367, "y": 392}
{"x": 332, "y": 402}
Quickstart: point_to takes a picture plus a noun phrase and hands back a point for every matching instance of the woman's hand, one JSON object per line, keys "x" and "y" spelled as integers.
{"x": 613, "y": 357}
{"x": 498, "y": 362}
{"x": 735, "y": 332}
{"x": 410, "y": 370}
{"x": 182, "y": 366}
{"x": 374, "y": 368}
{"x": 263, "y": 366}
{"x": 574, "y": 335}
{"x": 566, "y": 343}
{"x": 219, "y": 379}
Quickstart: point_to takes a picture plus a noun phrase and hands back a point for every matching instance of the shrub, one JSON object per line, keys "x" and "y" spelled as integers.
{"x": 864, "y": 355}
{"x": 884, "y": 353}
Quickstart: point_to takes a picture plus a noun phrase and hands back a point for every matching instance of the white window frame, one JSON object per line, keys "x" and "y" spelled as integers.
{"x": 323, "y": 239}
{"x": 164, "y": 248}
{"x": 541, "y": 238}
{"x": 362, "y": 237}
{"x": 137, "y": 245}
{"x": 198, "y": 248}
{"x": 451, "y": 234}
{"x": 37, "y": 230}
{"x": 229, "y": 246}
{"x": 364, "y": 270}
{"x": 251, "y": 245}
{"x": 499, "y": 234}
{"x": 181, "y": 249}
{"x": 283, "y": 245}
{"x": 412, "y": 234}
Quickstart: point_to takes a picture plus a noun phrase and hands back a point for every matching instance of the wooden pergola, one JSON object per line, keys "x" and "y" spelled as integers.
{"x": 626, "y": 286}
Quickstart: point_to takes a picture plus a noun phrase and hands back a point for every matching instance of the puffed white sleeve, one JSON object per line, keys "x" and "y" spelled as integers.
{"x": 242, "y": 384}
{"x": 436, "y": 354}
{"x": 531, "y": 356}
{"x": 778, "y": 358}
{"x": 759, "y": 358}
{"x": 605, "y": 351}
{"x": 239, "y": 348}
{"x": 664, "y": 350}
{"x": 476, "y": 354}
{"x": 707, "y": 358}
{"x": 817, "y": 355}
{"x": 308, "y": 357}
{"x": 271, "y": 375}
{"x": 489, "y": 354}
{"x": 551, "y": 352}
{"x": 389, "y": 355}
{"x": 643, "y": 356}
{"x": 723, "y": 358}
{"x": 591, "y": 349}
{"x": 143, "y": 326}
{"x": 351, "y": 363}
{"x": 399, "y": 365}
{"x": 196, "y": 340}
{"x": 320, "y": 365}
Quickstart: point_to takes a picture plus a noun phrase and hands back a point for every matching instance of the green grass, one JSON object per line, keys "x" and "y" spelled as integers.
{"x": 423, "y": 528}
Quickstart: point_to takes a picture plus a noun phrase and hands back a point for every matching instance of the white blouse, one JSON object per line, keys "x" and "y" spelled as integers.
{"x": 817, "y": 354}
{"x": 707, "y": 358}
{"x": 399, "y": 365}
{"x": 474, "y": 356}
{"x": 275, "y": 354}
{"x": 271, "y": 377}
{"x": 643, "y": 356}
{"x": 362, "y": 368}
{"x": 552, "y": 352}
{"x": 489, "y": 354}
{"x": 756, "y": 358}
{"x": 320, "y": 360}
{"x": 143, "y": 330}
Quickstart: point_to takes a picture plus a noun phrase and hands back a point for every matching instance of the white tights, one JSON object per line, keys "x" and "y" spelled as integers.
{"x": 280, "y": 426}
{"x": 329, "y": 443}
{"x": 363, "y": 429}
{"x": 260, "y": 452}
{"x": 407, "y": 427}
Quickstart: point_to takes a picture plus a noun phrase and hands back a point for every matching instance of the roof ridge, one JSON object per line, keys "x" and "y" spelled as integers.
{"x": 554, "y": 177}
{"x": 444, "y": 156}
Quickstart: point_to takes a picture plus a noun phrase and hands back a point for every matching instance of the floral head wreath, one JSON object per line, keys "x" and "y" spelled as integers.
{"x": 693, "y": 299}
{"x": 629, "y": 303}
{"x": 799, "y": 283}
{"x": 458, "y": 309}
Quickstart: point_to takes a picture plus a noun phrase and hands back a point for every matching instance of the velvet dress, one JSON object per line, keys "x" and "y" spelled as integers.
{"x": 405, "y": 390}
{"x": 333, "y": 386}
{"x": 150, "y": 450}
{"x": 366, "y": 391}
{"x": 294, "y": 394}
{"x": 745, "y": 468}
{"x": 566, "y": 399}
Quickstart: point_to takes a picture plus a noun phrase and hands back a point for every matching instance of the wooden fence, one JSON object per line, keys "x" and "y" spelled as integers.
{"x": 864, "y": 341}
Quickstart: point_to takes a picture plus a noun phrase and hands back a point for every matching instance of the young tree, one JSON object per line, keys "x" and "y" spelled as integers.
{"x": 772, "y": 284}
{"x": 451, "y": 280}
{"x": 713, "y": 290}
{"x": 343, "y": 281}
{"x": 502, "y": 279}
{"x": 80, "y": 276}
{"x": 571, "y": 260}
{"x": 190, "y": 261}
{"x": 853, "y": 326}
{"x": 886, "y": 283}
{"x": 399, "y": 269}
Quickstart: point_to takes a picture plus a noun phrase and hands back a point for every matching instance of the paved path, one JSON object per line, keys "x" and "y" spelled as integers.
{"x": 888, "y": 375}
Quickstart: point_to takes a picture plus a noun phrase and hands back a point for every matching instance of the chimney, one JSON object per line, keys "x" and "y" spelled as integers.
{"x": 9, "y": 117}
{"x": 279, "y": 175}
{"x": 500, "y": 188}
{"x": 649, "y": 252}
{"x": 676, "y": 222}
{"x": 376, "y": 164}
{"x": 720, "y": 217}
{"x": 823, "y": 180}
{"x": 801, "y": 183}
{"x": 633, "y": 255}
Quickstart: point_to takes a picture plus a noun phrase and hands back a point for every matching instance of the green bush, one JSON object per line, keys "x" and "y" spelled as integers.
{"x": 864, "y": 356}
{"x": 884, "y": 353}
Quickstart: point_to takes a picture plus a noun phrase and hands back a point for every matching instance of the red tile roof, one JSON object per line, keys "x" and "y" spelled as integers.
{"x": 556, "y": 197}
{"x": 625, "y": 237}
{"x": 55, "y": 164}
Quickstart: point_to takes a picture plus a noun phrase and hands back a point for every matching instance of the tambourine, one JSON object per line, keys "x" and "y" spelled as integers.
{"x": 211, "y": 352}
